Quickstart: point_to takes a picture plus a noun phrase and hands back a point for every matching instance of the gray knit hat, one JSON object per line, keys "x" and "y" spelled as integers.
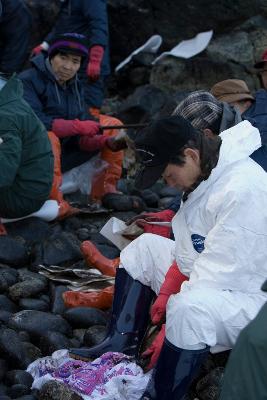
{"x": 200, "y": 108}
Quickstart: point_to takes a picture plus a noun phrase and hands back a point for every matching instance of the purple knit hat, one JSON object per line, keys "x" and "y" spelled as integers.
{"x": 70, "y": 43}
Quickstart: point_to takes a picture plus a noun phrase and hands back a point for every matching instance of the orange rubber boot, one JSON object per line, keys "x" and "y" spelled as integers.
{"x": 106, "y": 181}
{"x": 98, "y": 299}
{"x": 65, "y": 209}
{"x": 95, "y": 259}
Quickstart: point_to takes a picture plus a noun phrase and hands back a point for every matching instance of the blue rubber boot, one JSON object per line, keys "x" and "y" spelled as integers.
{"x": 174, "y": 372}
{"x": 129, "y": 319}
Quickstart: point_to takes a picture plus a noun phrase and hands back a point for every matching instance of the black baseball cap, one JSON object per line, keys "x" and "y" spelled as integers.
{"x": 157, "y": 144}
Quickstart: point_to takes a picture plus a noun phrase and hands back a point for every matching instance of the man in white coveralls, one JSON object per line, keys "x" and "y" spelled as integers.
{"x": 220, "y": 246}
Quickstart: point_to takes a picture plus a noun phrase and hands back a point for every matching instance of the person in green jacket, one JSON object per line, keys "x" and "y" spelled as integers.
{"x": 245, "y": 375}
{"x": 26, "y": 158}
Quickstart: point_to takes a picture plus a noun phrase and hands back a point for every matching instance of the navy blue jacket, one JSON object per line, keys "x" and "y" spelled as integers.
{"x": 88, "y": 17}
{"x": 48, "y": 99}
{"x": 257, "y": 115}
{"x": 15, "y": 27}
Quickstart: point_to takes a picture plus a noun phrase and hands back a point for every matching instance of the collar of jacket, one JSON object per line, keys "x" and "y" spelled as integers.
{"x": 230, "y": 117}
{"x": 238, "y": 143}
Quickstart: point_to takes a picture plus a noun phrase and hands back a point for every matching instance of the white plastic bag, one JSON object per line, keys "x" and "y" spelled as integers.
{"x": 81, "y": 177}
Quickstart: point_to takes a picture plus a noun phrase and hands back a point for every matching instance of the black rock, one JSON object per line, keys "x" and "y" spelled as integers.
{"x": 25, "y": 275}
{"x": 58, "y": 306}
{"x": 37, "y": 323}
{"x": 122, "y": 202}
{"x": 7, "y": 305}
{"x": 94, "y": 335}
{"x": 18, "y": 376}
{"x": 27, "y": 397}
{"x": 12, "y": 347}
{"x": 35, "y": 230}
{"x": 45, "y": 298}
{"x": 26, "y": 289}
{"x": 4, "y": 316}
{"x": 164, "y": 202}
{"x": 53, "y": 341}
{"x": 7, "y": 279}
{"x": 32, "y": 352}
{"x": 83, "y": 233}
{"x": 33, "y": 304}
{"x": 18, "y": 390}
{"x": 25, "y": 337}
{"x": 62, "y": 247}
{"x": 12, "y": 252}
{"x": 54, "y": 390}
{"x": 84, "y": 317}
{"x": 3, "y": 369}
{"x": 79, "y": 334}
{"x": 151, "y": 199}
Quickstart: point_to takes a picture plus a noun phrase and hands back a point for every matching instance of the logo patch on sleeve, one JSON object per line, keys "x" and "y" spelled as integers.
{"x": 198, "y": 242}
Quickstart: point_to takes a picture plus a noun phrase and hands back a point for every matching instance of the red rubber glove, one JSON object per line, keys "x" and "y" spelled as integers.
{"x": 171, "y": 285}
{"x": 64, "y": 127}
{"x": 155, "y": 348}
{"x": 161, "y": 216}
{"x": 96, "y": 54}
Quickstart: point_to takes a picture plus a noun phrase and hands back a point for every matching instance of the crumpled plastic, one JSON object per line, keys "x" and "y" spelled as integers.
{"x": 111, "y": 376}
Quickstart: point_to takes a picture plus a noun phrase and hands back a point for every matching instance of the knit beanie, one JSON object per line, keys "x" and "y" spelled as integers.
{"x": 69, "y": 43}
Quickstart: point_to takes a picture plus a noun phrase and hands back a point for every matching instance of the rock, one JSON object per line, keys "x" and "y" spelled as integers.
{"x": 45, "y": 298}
{"x": 79, "y": 334}
{"x": 4, "y": 316}
{"x": 150, "y": 198}
{"x": 35, "y": 230}
{"x": 33, "y": 304}
{"x": 62, "y": 247}
{"x": 53, "y": 341}
{"x": 164, "y": 202}
{"x": 12, "y": 252}
{"x": 83, "y": 233}
{"x": 3, "y": 369}
{"x": 94, "y": 335}
{"x": 168, "y": 191}
{"x": 25, "y": 337}
{"x": 18, "y": 390}
{"x": 26, "y": 289}
{"x": 54, "y": 390}
{"x": 17, "y": 376}
{"x": 120, "y": 202}
{"x": 7, "y": 305}
{"x": 7, "y": 278}
{"x": 32, "y": 352}
{"x": 84, "y": 317}
{"x": 58, "y": 306}
{"x": 208, "y": 388}
{"x": 12, "y": 347}
{"x": 27, "y": 397}
{"x": 37, "y": 323}
{"x": 25, "y": 275}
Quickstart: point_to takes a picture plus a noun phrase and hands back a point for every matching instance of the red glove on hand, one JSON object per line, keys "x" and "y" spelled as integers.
{"x": 64, "y": 127}
{"x": 161, "y": 216}
{"x": 171, "y": 285}
{"x": 154, "y": 349}
{"x": 96, "y": 54}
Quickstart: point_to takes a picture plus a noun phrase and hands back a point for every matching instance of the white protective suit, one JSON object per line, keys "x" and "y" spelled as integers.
{"x": 220, "y": 244}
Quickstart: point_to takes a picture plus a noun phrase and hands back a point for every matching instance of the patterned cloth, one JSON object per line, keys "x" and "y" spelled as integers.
{"x": 113, "y": 376}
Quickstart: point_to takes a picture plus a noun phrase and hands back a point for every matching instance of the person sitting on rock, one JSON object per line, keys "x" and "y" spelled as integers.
{"x": 87, "y": 17}
{"x": 26, "y": 157}
{"x": 236, "y": 93}
{"x": 54, "y": 92}
{"x": 15, "y": 28}
{"x": 218, "y": 257}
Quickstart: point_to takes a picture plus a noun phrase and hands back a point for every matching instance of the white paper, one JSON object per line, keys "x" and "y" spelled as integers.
{"x": 150, "y": 46}
{"x": 112, "y": 231}
{"x": 188, "y": 48}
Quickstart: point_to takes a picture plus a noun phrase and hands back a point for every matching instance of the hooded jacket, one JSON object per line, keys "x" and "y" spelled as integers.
{"x": 226, "y": 211}
{"x": 48, "y": 99}
{"x": 26, "y": 157}
{"x": 88, "y": 17}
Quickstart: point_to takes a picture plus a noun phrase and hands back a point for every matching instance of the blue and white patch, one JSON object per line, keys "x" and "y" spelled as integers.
{"x": 198, "y": 242}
